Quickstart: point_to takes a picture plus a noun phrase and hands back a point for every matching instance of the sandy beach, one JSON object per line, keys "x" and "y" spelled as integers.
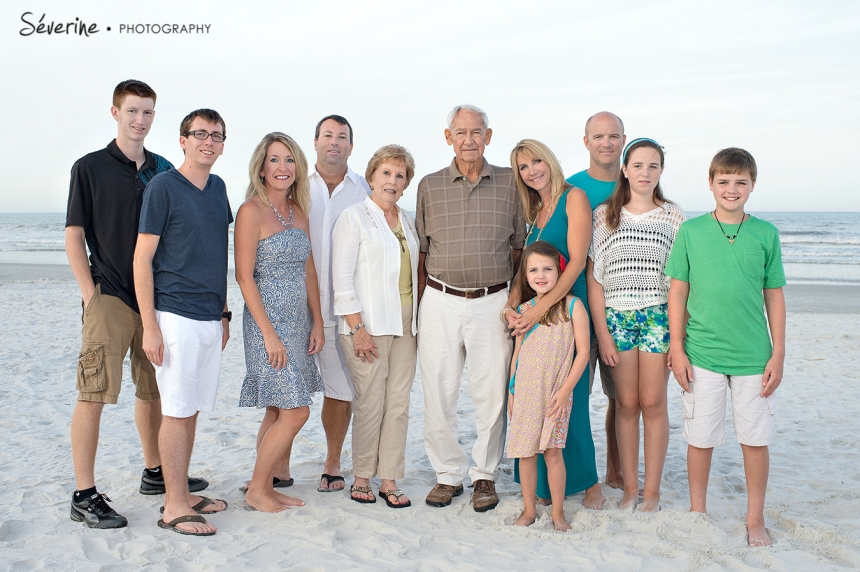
{"x": 812, "y": 505}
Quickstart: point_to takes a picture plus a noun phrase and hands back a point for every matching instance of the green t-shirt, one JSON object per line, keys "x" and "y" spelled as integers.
{"x": 727, "y": 332}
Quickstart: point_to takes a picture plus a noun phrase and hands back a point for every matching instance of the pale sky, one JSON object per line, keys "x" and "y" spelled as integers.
{"x": 779, "y": 78}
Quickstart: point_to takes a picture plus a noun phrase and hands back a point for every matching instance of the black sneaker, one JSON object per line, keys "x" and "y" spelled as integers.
{"x": 95, "y": 512}
{"x": 155, "y": 485}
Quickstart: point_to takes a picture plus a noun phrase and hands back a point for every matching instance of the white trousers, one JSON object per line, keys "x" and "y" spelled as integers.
{"x": 454, "y": 331}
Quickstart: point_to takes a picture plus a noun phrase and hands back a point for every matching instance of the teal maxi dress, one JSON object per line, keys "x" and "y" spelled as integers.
{"x": 578, "y": 453}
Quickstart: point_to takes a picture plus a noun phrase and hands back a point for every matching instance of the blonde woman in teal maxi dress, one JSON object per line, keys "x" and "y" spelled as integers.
{"x": 579, "y": 455}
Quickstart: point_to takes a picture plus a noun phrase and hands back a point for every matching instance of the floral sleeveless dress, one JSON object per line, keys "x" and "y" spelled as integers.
{"x": 543, "y": 365}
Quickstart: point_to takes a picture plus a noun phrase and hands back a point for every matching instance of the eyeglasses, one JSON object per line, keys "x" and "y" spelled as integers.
{"x": 217, "y": 137}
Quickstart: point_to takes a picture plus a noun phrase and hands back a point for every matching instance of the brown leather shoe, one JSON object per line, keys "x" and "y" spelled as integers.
{"x": 441, "y": 495}
{"x": 484, "y": 498}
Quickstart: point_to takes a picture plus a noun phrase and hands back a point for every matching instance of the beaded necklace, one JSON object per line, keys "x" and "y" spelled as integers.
{"x": 534, "y": 222}
{"x": 732, "y": 237}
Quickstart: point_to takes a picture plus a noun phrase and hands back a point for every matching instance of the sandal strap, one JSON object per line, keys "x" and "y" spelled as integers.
{"x": 394, "y": 492}
{"x": 187, "y": 518}
{"x": 358, "y": 489}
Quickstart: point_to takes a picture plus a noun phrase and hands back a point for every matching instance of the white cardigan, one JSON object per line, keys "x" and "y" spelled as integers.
{"x": 366, "y": 268}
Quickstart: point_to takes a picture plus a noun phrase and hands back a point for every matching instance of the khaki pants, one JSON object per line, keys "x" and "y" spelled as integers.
{"x": 381, "y": 404}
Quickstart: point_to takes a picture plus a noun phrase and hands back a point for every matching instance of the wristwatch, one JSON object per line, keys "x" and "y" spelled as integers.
{"x": 227, "y": 316}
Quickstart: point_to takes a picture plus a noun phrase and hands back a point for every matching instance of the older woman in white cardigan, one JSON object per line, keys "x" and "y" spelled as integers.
{"x": 374, "y": 271}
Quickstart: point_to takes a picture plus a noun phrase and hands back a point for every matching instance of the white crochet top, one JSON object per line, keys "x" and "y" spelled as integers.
{"x": 629, "y": 261}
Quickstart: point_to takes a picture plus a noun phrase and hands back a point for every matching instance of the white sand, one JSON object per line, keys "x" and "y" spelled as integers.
{"x": 813, "y": 503}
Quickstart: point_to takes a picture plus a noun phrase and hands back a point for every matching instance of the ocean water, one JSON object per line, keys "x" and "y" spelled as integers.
{"x": 816, "y": 247}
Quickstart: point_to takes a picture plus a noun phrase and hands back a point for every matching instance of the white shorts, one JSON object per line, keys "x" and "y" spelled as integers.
{"x": 704, "y": 410}
{"x": 337, "y": 384}
{"x": 188, "y": 376}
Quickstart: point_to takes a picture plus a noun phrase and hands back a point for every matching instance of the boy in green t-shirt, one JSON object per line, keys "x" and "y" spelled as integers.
{"x": 726, "y": 265}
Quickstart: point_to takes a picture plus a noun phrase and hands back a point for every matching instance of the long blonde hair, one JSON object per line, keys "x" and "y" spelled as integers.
{"x": 530, "y": 198}
{"x": 300, "y": 190}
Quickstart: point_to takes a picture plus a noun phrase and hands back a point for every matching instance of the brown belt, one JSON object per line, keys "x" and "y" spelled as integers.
{"x": 468, "y": 294}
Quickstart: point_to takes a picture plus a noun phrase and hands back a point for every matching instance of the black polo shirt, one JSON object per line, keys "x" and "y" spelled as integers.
{"x": 105, "y": 197}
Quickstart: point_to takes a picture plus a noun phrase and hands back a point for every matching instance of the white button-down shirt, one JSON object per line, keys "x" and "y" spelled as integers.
{"x": 325, "y": 210}
{"x": 366, "y": 269}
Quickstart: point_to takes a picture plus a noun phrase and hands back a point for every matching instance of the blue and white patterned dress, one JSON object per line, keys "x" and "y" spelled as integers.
{"x": 279, "y": 273}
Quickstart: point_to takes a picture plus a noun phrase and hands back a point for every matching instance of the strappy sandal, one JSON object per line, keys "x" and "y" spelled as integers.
{"x": 364, "y": 491}
{"x": 396, "y": 493}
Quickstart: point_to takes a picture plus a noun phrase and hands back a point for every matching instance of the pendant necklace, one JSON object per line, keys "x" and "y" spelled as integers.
{"x": 401, "y": 238}
{"x": 534, "y": 222}
{"x": 732, "y": 237}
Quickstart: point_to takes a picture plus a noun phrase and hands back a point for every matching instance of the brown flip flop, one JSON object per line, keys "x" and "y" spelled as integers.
{"x": 187, "y": 518}
{"x": 204, "y": 502}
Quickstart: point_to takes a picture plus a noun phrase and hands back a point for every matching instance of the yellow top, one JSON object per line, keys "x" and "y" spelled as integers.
{"x": 405, "y": 281}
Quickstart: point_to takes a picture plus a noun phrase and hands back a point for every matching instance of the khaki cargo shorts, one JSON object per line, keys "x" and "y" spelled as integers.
{"x": 110, "y": 329}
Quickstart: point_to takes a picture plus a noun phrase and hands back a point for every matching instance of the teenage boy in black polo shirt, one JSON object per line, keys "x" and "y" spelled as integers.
{"x": 105, "y": 197}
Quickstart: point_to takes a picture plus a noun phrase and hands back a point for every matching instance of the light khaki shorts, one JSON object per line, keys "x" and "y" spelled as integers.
{"x": 110, "y": 329}
{"x": 704, "y": 409}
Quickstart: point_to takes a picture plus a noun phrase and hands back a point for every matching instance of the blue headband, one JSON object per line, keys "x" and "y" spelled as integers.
{"x": 635, "y": 141}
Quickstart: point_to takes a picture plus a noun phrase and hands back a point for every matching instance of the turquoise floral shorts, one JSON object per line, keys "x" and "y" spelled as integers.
{"x": 646, "y": 330}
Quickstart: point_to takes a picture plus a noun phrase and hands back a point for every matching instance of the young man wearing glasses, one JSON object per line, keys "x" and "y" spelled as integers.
{"x": 180, "y": 272}
{"x": 105, "y": 198}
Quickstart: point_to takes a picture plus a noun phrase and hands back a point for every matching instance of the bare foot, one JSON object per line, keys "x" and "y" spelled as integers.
{"x": 629, "y": 501}
{"x": 757, "y": 535}
{"x": 526, "y": 519}
{"x": 650, "y": 505}
{"x": 287, "y": 500}
{"x": 263, "y": 502}
{"x": 544, "y": 502}
{"x": 560, "y": 524}
{"x": 594, "y": 498}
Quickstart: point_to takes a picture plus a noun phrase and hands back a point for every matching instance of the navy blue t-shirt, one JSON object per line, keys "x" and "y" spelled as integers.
{"x": 190, "y": 263}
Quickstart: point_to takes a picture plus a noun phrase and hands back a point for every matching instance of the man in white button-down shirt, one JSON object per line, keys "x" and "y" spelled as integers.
{"x": 334, "y": 187}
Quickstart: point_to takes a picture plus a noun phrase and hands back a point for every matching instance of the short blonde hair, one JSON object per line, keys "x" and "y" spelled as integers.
{"x": 530, "y": 198}
{"x": 394, "y": 153}
{"x": 300, "y": 190}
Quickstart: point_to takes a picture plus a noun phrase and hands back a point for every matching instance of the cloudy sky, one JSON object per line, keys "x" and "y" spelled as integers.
{"x": 781, "y": 79}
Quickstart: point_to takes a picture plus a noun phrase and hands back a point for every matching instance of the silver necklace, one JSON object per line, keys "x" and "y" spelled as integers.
{"x": 285, "y": 222}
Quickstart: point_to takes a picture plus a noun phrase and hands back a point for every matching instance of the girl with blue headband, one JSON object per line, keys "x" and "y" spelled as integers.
{"x": 632, "y": 236}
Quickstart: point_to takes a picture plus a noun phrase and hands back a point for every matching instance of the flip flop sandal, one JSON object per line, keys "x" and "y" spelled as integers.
{"x": 386, "y": 495}
{"x": 187, "y": 518}
{"x": 281, "y": 483}
{"x": 204, "y": 502}
{"x": 362, "y": 490}
{"x": 330, "y": 479}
